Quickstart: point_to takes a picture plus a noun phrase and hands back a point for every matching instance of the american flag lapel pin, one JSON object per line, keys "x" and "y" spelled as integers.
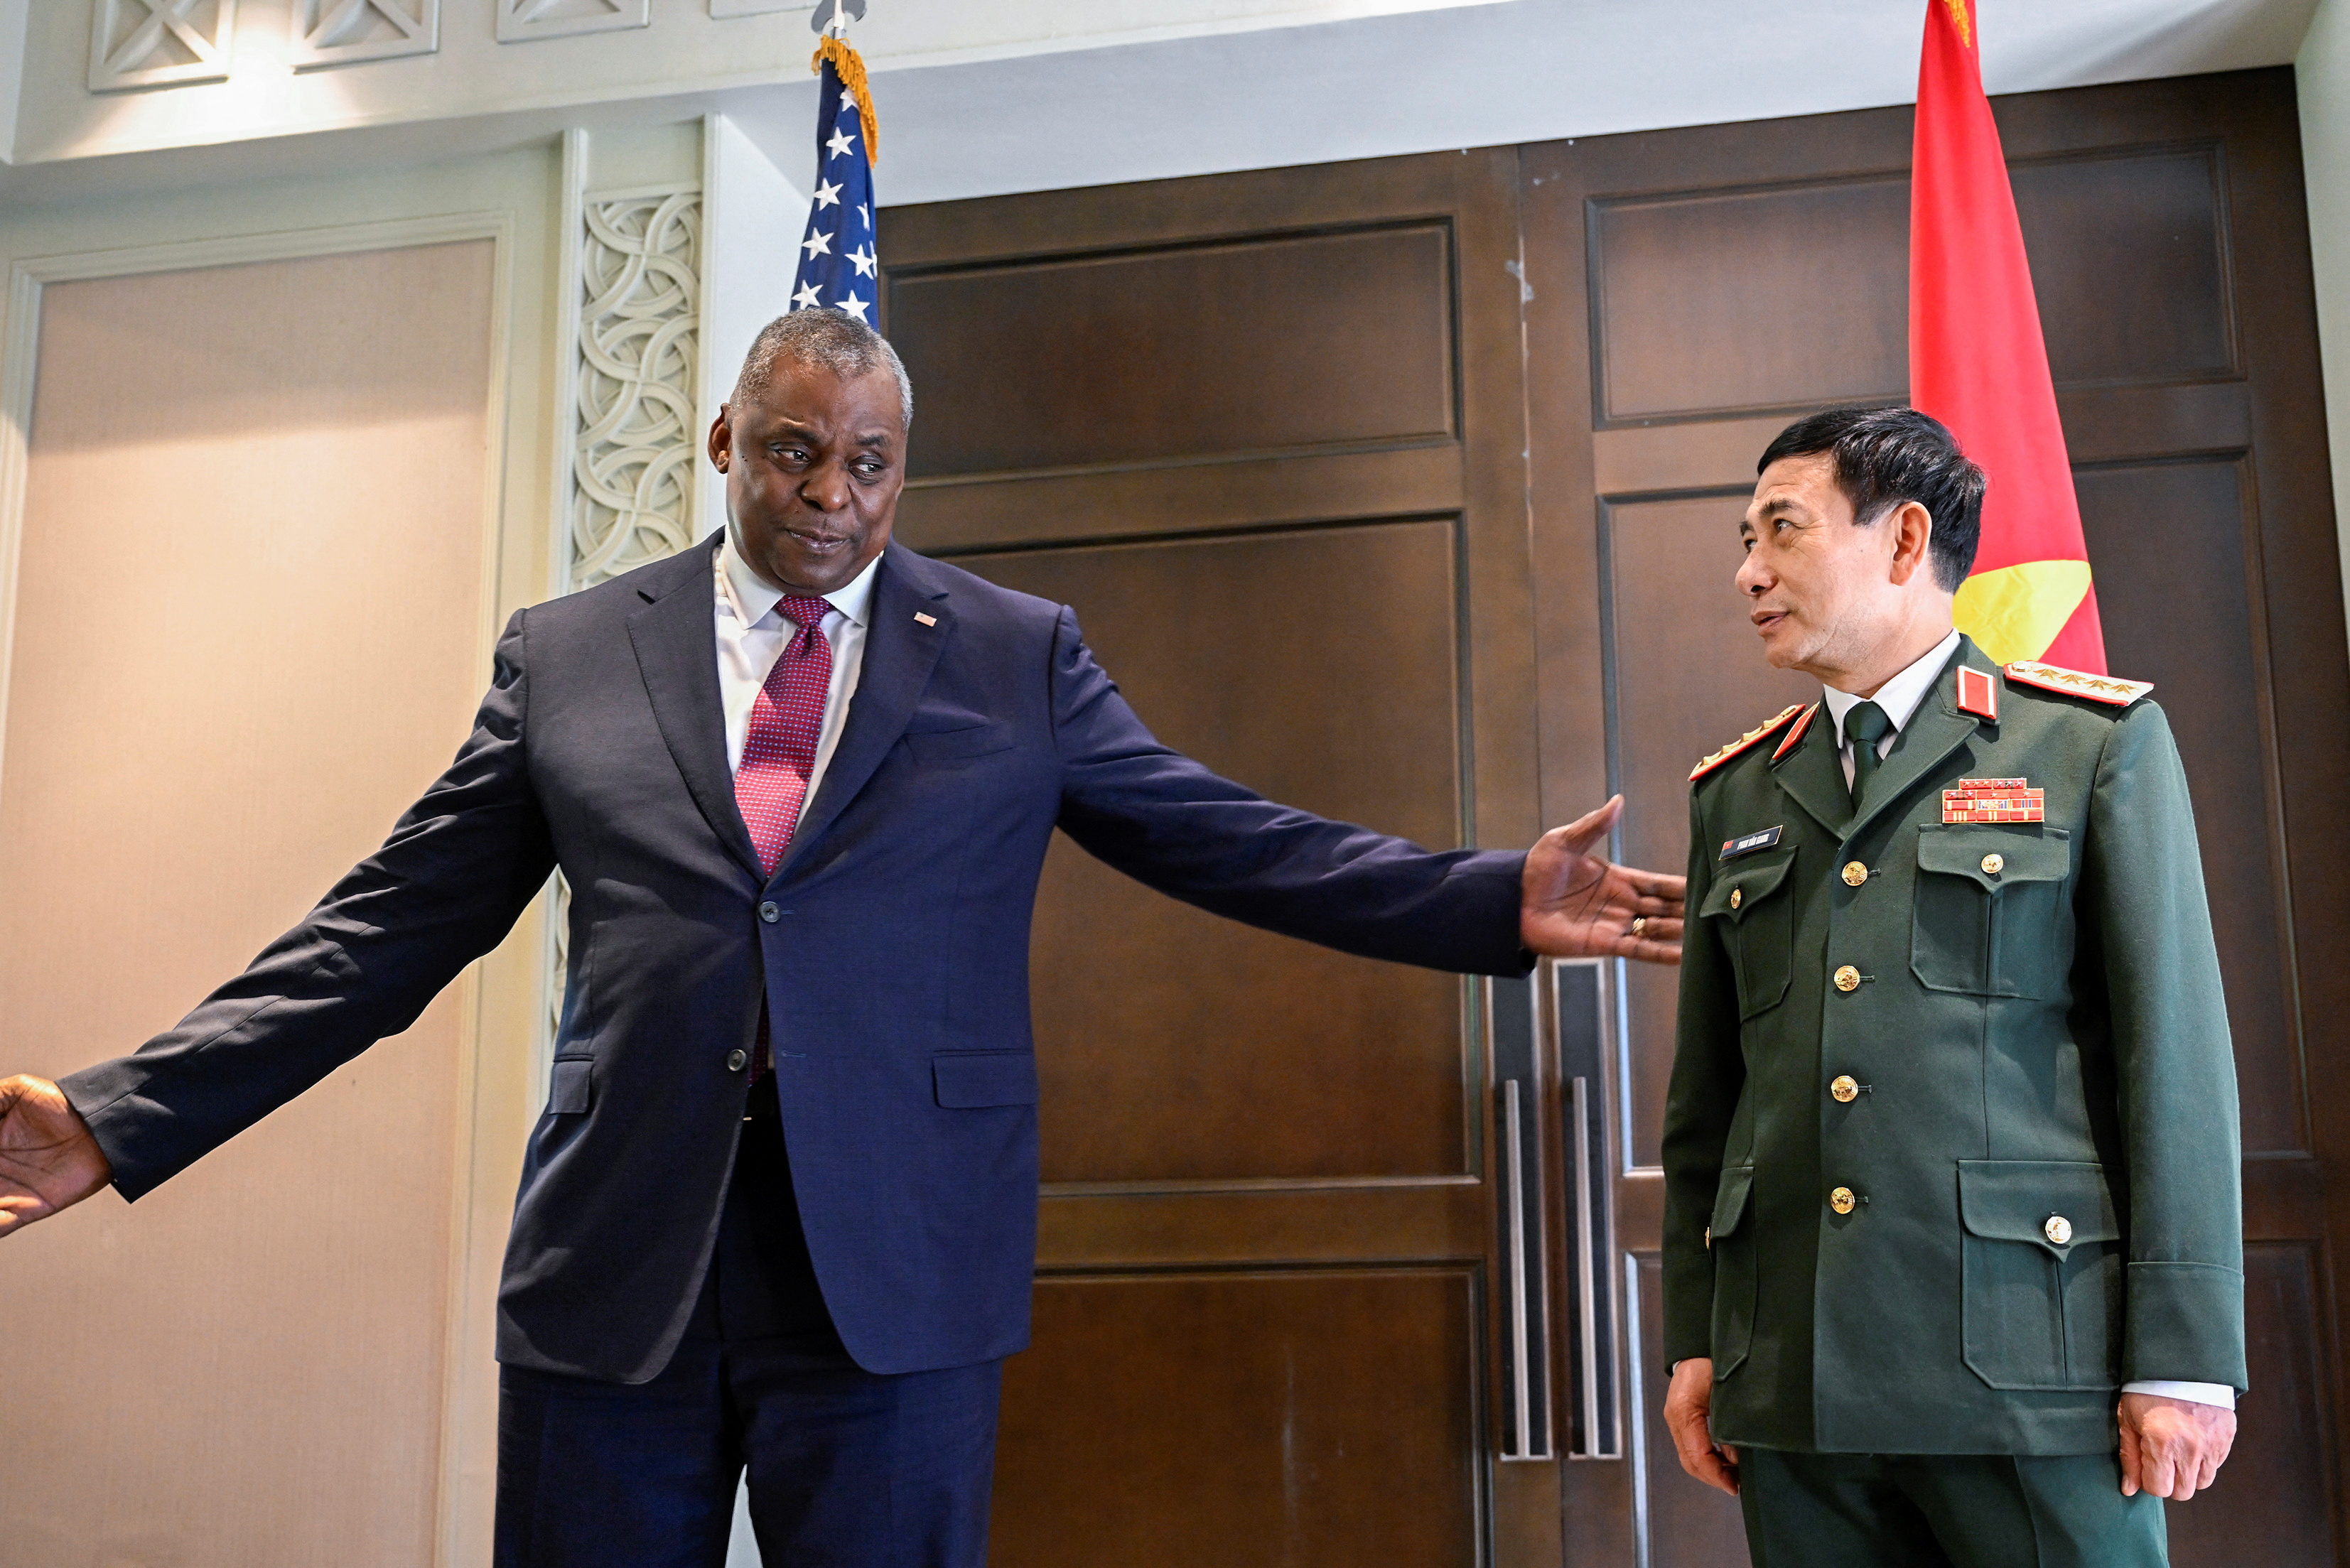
{"x": 926, "y": 619}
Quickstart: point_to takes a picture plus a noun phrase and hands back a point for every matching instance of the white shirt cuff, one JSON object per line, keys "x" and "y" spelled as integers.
{"x": 2217, "y": 1393}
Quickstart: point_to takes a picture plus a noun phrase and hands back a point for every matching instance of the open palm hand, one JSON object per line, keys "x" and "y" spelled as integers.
{"x": 49, "y": 1161}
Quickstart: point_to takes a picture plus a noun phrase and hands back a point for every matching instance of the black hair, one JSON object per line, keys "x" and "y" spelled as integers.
{"x": 1887, "y": 456}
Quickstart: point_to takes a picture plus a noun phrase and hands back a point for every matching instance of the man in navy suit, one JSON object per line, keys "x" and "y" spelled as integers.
{"x": 781, "y": 1208}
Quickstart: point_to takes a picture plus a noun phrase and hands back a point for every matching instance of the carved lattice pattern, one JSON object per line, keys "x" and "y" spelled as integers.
{"x": 159, "y": 43}
{"x": 633, "y": 464}
{"x": 344, "y": 32}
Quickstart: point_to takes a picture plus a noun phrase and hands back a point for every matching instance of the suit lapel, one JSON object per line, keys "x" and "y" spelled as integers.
{"x": 899, "y": 654}
{"x": 676, "y": 642}
{"x": 1813, "y": 774}
{"x": 1933, "y": 732}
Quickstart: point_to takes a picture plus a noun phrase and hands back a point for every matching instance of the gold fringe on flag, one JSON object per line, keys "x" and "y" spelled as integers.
{"x": 851, "y": 69}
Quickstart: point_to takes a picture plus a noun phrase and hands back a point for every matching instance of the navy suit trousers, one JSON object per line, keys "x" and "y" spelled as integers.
{"x": 848, "y": 1467}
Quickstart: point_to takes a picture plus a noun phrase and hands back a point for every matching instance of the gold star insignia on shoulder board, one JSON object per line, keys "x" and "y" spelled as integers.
{"x": 2110, "y": 690}
{"x": 1716, "y": 759}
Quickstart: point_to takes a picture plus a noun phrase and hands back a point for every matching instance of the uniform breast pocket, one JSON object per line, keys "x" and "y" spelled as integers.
{"x": 1991, "y": 917}
{"x": 2042, "y": 1288}
{"x": 1752, "y": 907}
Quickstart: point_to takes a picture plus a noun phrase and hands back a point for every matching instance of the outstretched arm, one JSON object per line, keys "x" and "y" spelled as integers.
{"x": 444, "y": 890}
{"x": 1175, "y": 825}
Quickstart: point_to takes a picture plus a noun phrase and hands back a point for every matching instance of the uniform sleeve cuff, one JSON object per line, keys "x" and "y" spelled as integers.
{"x": 2217, "y": 1393}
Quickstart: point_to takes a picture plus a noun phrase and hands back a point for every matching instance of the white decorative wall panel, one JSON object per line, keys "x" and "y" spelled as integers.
{"x": 638, "y": 437}
{"x": 520, "y": 21}
{"x": 345, "y": 32}
{"x": 160, "y": 43}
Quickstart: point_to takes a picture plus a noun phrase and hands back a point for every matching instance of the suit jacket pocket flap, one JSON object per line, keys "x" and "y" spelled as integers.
{"x": 969, "y": 1079}
{"x": 1735, "y": 893}
{"x": 952, "y": 746}
{"x": 1730, "y": 1201}
{"x": 571, "y": 1087}
{"x": 2021, "y": 1199}
{"x": 2024, "y": 854}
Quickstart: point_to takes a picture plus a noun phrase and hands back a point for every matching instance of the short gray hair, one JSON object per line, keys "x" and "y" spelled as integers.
{"x": 831, "y": 339}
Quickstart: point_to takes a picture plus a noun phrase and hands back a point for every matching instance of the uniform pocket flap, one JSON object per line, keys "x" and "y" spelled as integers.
{"x": 1992, "y": 856}
{"x": 570, "y": 1088}
{"x": 952, "y": 746}
{"x": 969, "y": 1079}
{"x": 1737, "y": 892}
{"x": 1730, "y": 1201}
{"x": 2023, "y": 1199}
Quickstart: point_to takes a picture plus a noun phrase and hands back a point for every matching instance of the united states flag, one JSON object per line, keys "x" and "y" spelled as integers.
{"x": 838, "y": 269}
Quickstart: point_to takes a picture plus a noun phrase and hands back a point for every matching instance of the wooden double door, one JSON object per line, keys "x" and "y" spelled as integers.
{"x": 1405, "y": 490}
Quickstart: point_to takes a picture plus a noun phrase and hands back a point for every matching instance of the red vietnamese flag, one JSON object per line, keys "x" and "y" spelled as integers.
{"x": 1979, "y": 364}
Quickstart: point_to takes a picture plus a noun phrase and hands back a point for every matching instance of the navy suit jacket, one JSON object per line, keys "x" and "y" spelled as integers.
{"x": 892, "y": 940}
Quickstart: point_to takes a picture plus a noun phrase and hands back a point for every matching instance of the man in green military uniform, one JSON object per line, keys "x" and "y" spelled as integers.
{"x": 1952, "y": 1244}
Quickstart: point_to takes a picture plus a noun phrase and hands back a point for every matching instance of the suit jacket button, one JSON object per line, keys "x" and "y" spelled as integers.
{"x": 769, "y": 913}
{"x": 2059, "y": 1231}
{"x": 1855, "y": 873}
{"x": 1841, "y": 1200}
{"x": 1993, "y": 865}
{"x": 737, "y": 1060}
{"x": 1847, "y": 979}
{"x": 1845, "y": 1090}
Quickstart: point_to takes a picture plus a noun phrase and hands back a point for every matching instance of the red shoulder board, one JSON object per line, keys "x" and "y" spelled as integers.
{"x": 1787, "y": 742}
{"x": 1742, "y": 743}
{"x": 2110, "y": 690}
{"x": 1978, "y": 694}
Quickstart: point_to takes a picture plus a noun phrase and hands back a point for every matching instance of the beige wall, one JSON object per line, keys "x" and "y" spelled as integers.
{"x": 247, "y": 628}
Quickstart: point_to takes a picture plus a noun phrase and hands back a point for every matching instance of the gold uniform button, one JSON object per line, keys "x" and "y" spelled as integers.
{"x": 1737, "y": 897}
{"x": 1841, "y": 1200}
{"x": 1855, "y": 873}
{"x": 2059, "y": 1231}
{"x": 1994, "y": 863}
{"x": 1845, "y": 1090}
{"x": 1847, "y": 979}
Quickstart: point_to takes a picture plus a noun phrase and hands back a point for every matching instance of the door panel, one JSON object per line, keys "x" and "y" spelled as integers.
{"x": 1247, "y": 653}
{"x": 1254, "y": 1430}
{"x": 1359, "y": 325}
{"x": 2164, "y": 224}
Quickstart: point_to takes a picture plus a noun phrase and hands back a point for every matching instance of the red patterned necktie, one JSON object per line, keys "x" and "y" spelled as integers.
{"x": 779, "y": 745}
{"x": 779, "y": 753}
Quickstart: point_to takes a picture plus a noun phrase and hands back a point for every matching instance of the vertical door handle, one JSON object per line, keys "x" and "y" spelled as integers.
{"x": 1582, "y": 994}
{"x": 1525, "y": 1349}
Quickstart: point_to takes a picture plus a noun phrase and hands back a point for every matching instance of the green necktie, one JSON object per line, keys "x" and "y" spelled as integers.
{"x": 1865, "y": 724}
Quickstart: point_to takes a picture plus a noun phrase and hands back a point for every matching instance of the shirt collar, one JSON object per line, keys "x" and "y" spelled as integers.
{"x": 1900, "y": 696}
{"x": 752, "y": 598}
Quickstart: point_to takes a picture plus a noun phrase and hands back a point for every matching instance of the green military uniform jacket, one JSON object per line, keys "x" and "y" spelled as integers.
{"x": 2037, "y": 1141}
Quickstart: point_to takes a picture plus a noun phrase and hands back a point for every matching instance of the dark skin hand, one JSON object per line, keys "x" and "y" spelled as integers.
{"x": 49, "y": 1161}
{"x": 1579, "y": 905}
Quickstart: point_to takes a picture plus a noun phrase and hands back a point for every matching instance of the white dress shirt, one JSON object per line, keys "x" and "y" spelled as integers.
{"x": 753, "y": 634}
{"x": 1900, "y": 698}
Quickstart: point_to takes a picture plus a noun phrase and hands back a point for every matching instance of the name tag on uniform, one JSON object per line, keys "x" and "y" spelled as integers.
{"x": 1994, "y": 800}
{"x": 1731, "y": 848}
